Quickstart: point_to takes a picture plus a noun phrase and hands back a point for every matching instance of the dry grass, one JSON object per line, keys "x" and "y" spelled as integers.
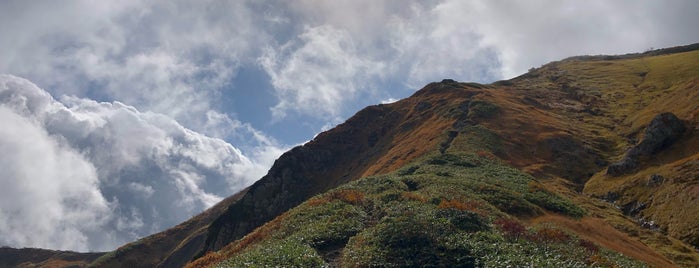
{"x": 600, "y": 232}
{"x": 258, "y": 235}
{"x": 350, "y": 196}
{"x": 410, "y": 196}
{"x": 463, "y": 206}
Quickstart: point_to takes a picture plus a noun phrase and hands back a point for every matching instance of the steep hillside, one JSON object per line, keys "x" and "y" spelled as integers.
{"x": 588, "y": 161}
{"x": 563, "y": 124}
{"x": 459, "y": 208}
{"x": 376, "y": 140}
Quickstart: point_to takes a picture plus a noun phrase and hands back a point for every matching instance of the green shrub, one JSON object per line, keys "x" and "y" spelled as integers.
{"x": 284, "y": 253}
{"x": 554, "y": 203}
{"x": 408, "y": 171}
{"x": 451, "y": 159}
{"x": 406, "y": 242}
{"x": 508, "y": 201}
{"x": 436, "y": 212}
{"x": 464, "y": 220}
{"x": 482, "y": 109}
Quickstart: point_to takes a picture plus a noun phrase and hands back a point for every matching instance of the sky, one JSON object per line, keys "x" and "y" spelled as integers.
{"x": 124, "y": 118}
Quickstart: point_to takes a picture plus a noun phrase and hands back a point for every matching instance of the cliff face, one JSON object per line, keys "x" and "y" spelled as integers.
{"x": 527, "y": 162}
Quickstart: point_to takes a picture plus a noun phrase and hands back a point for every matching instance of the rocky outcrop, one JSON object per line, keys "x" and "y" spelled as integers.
{"x": 662, "y": 132}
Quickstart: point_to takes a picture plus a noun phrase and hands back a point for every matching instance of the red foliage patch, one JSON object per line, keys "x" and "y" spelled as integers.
{"x": 353, "y": 197}
{"x": 588, "y": 245}
{"x": 413, "y": 197}
{"x": 547, "y": 234}
{"x": 512, "y": 229}
{"x": 456, "y": 204}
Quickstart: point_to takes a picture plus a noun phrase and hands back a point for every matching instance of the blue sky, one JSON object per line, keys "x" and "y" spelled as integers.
{"x": 123, "y": 118}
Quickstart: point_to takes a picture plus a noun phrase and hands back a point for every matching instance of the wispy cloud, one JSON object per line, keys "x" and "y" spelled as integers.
{"x": 317, "y": 73}
{"x": 389, "y": 100}
{"x": 528, "y": 34}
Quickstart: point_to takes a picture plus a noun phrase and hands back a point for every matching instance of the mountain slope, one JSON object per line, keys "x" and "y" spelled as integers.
{"x": 559, "y": 123}
{"x": 376, "y": 140}
{"x": 515, "y": 172}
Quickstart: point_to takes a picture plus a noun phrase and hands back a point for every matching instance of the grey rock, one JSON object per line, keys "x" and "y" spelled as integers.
{"x": 655, "y": 180}
{"x": 662, "y": 132}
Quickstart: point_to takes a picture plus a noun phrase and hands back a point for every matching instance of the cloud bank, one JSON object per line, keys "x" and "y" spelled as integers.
{"x": 178, "y": 58}
{"x": 86, "y": 175}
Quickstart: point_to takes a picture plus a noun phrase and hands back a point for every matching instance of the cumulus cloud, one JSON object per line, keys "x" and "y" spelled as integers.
{"x": 49, "y": 194}
{"x": 85, "y": 175}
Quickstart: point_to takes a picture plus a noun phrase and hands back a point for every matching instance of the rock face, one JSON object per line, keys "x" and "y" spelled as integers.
{"x": 662, "y": 131}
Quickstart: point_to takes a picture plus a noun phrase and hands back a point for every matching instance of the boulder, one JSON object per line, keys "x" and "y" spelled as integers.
{"x": 662, "y": 132}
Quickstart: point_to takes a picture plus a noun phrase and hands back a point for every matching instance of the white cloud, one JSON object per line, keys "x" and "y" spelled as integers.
{"x": 389, "y": 100}
{"x": 338, "y": 57}
{"x": 318, "y": 72}
{"x": 416, "y": 42}
{"x": 106, "y": 173}
{"x": 174, "y": 57}
{"x": 528, "y": 34}
{"x": 45, "y": 185}
{"x": 169, "y": 57}
{"x": 432, "y": 44}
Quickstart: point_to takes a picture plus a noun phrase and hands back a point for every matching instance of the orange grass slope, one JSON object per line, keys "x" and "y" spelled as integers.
{"x": 603, "y": 104}
{"x": 564, "y": 123}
